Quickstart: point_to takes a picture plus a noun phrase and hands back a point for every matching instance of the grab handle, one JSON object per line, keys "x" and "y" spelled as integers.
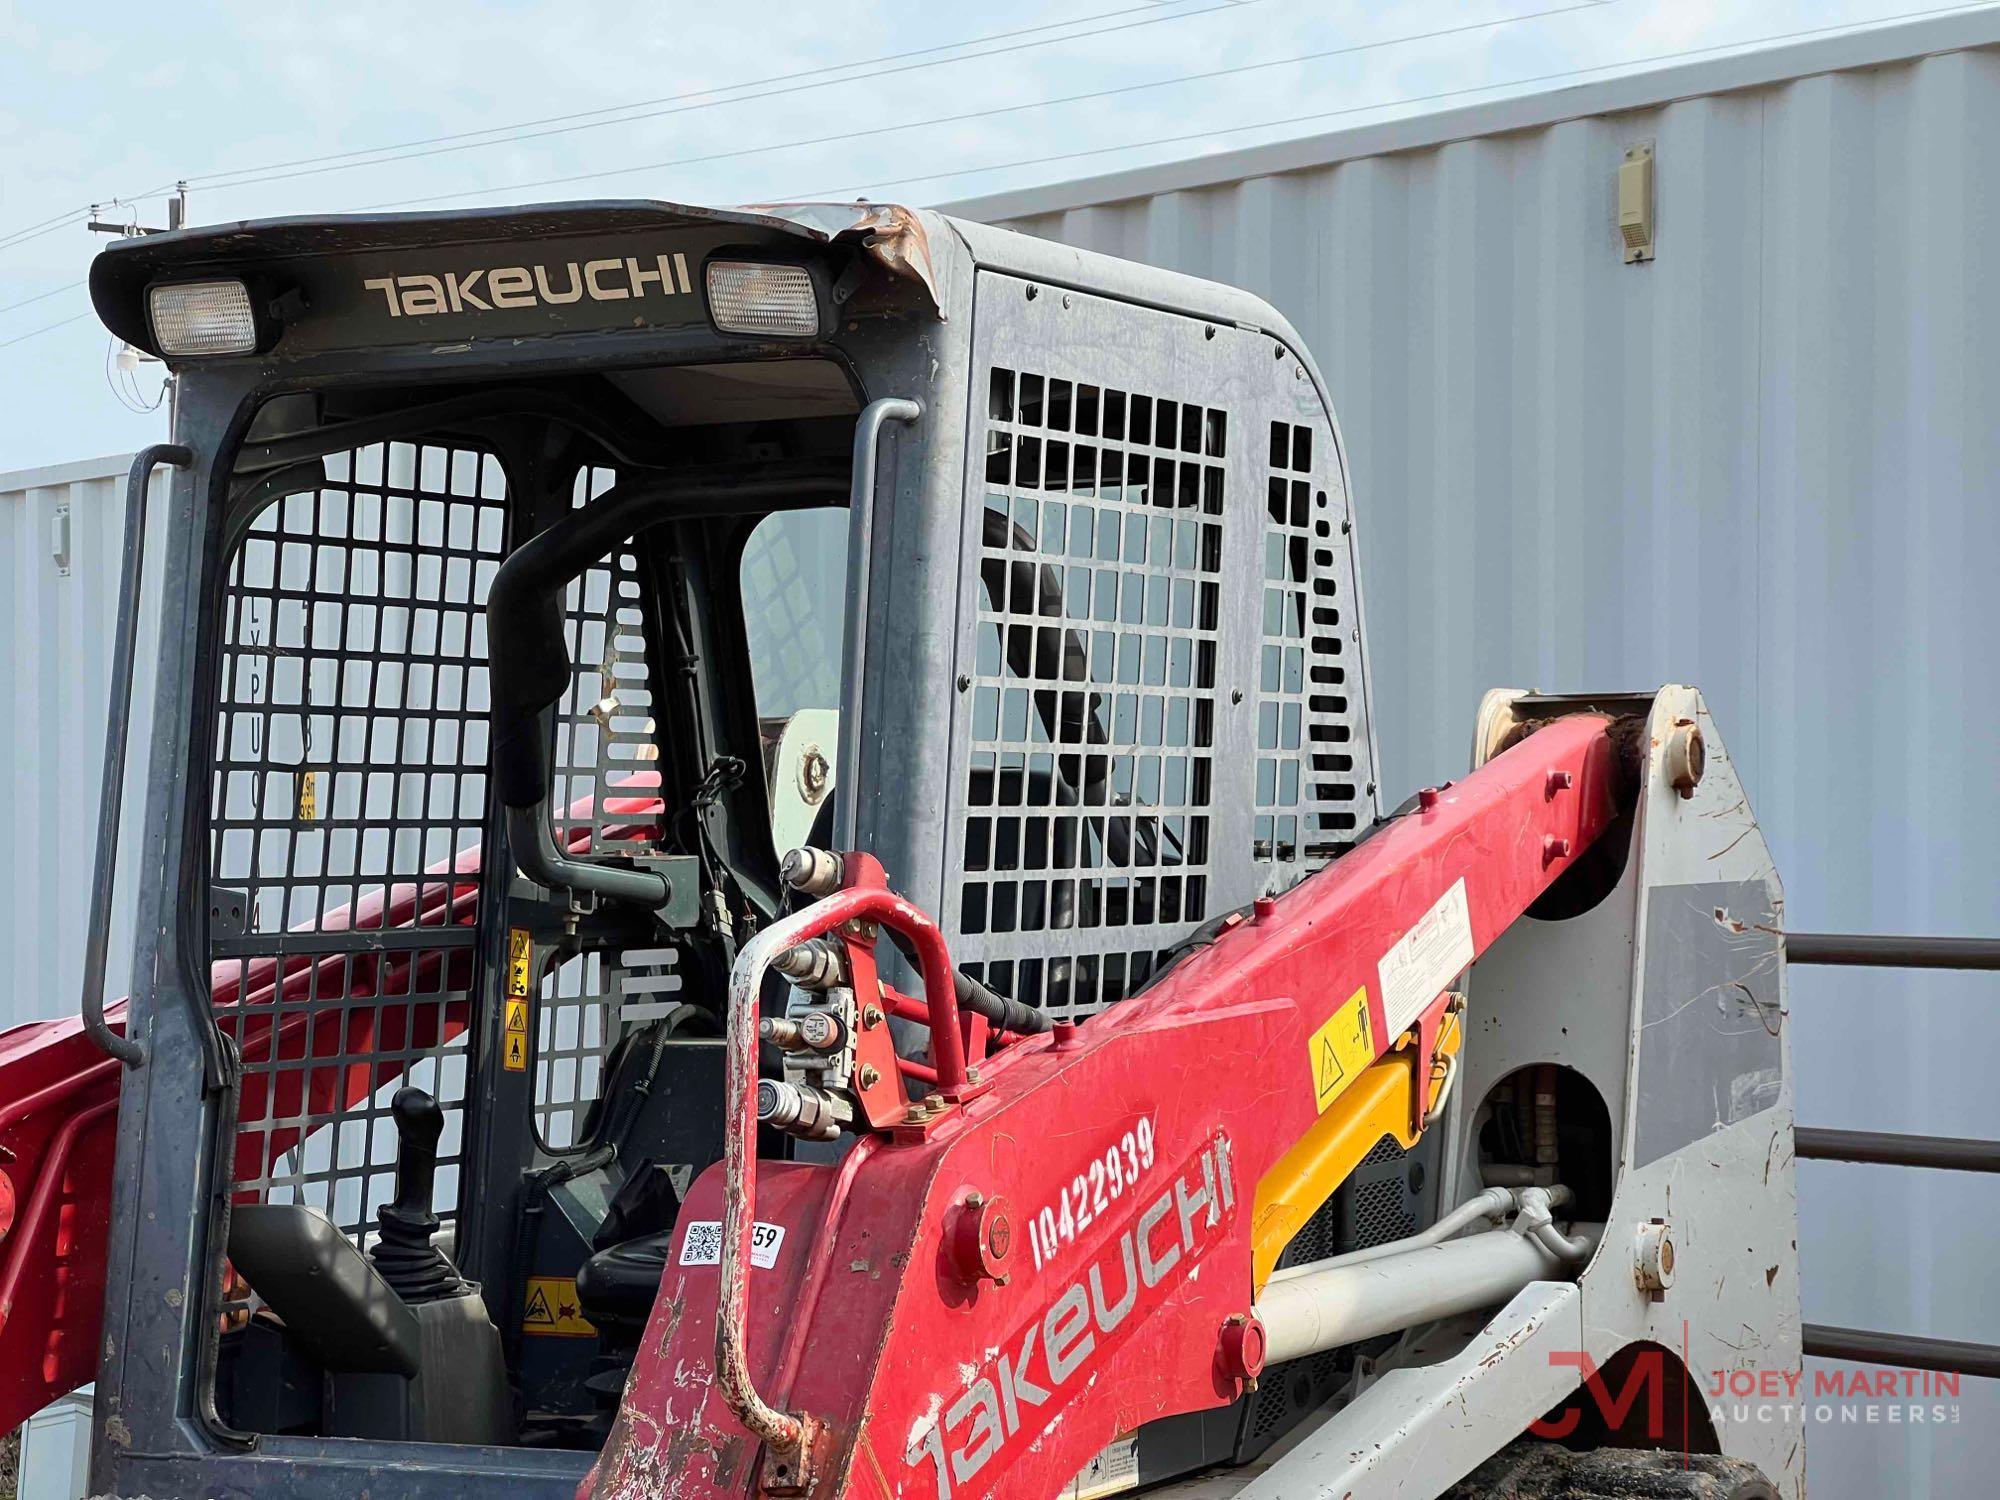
{"x": 117, "y": 722}
{"x": 860, "y": 548}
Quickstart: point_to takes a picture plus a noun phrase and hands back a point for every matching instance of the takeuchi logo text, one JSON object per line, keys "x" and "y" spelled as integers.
{"x": 482, "y": 289}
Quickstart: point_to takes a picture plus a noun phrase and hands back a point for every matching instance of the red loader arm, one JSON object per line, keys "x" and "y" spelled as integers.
{"x": 978, "y": 1300}
{"x": 59, "y": 1104}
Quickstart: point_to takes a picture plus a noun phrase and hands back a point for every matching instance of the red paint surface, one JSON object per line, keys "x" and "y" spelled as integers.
{"x": 885, "y": 1344}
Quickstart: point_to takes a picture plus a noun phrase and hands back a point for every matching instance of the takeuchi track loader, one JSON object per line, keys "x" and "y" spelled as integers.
{"x": 761, "y": 873}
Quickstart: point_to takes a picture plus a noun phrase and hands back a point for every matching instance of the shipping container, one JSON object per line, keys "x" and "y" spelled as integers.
{"x": 62, "y": 533}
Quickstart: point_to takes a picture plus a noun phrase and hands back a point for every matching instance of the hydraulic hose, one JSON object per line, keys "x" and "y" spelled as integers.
{"x": 1004, "y": 1012}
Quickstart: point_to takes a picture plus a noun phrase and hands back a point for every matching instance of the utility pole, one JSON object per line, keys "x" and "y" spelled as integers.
{"x": 177, "y": 207}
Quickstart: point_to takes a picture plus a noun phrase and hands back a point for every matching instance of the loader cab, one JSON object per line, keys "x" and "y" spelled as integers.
{"x": 535, "y": 580}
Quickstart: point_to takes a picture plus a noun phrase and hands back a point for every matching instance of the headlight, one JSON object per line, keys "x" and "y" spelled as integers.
{"x": 747, "y": 296}
{"x": 202, "y": 317}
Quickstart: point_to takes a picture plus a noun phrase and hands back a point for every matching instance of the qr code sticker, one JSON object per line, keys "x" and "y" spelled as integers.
{"x": 703, "y": 1244}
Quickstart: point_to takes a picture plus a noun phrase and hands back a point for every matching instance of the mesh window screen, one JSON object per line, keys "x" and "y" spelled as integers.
{"x": 604, "y": 795}
{"x": 348, "y": 802}
{"x": 1308, "y": 807}
{"x": 1092, "y": 715}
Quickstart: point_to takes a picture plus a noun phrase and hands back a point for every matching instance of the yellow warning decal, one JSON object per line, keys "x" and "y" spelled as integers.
{"x": 552, "y": 1310}
{"x": 514, "y": 1036}
{"x": 307, "y": 785}
{"x": 520, "y": 960}
{"x": 1341, "y": 1049}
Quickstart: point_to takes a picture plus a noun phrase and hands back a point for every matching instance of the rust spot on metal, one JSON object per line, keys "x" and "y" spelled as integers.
{"x": 676, "y": 1307}
{"x": 729, "y": 1452}
{"x": 892, "y": 234}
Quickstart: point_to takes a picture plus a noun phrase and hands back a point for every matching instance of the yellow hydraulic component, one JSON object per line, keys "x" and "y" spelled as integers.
{"x": 1376, "y": 1104}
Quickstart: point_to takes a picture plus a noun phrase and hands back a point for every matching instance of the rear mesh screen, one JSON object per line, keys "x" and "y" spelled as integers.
{"x": 1094, "y": 693}
{"x": 1308, "y": 807}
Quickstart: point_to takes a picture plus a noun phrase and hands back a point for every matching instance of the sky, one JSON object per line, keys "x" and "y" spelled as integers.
{"x": 269, "y": 108}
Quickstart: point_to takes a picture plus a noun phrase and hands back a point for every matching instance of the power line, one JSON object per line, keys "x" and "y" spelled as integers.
{"x": 1191, "y": 136}
{"x": 36, "y": 231}
{"x": 55, "y": 222}
{"x": 1201, "y": 135}
{"x": 506, "y": 134}
{"x": 998, "y": 110}
{"x": 22, "y": 338}
{"x": 41, "y": 296}
{"x": 215, "y": 179}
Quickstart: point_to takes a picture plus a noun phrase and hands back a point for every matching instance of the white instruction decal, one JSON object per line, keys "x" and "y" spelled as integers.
{"x": 1112, "y": 1472}
{"x": 703, "y": 1245}
{"x": 1424, "y": 960}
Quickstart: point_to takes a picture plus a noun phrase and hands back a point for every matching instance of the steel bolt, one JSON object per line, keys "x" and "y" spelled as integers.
{"x": 1554, "y": 849}
{"x": 814, "y": 773}
{"x": 1558, "y": 781}
{"x": 1685, "y": 757}
{"x": 964, "y": 681}
{"x": 1034, "y": 292}
{"x": 870, "y": 1075}
{"x": 871, "y": 1017}
{"x": 1655, "y": 1268}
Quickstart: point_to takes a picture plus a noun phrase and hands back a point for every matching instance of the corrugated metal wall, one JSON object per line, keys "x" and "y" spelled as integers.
{"x": 1768, "y": 463}
{"x": 60, "y": 612}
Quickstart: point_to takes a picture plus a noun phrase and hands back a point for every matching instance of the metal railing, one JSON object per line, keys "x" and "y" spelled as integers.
{"x": 1878, "y": 952}
{"x": 1942, "y": 1153}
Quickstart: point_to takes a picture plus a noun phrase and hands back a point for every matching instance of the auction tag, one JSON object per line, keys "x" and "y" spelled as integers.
{"x": 703, "y": 1244}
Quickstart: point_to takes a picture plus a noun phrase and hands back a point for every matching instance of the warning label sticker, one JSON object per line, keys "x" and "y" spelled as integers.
{"x": 1114, "y": 1470}
{"x": 552, "y": 1310}
{"x": 1425, "y": 959}
{"x": 520, "y": 960}
{"x": 514, "y": 1036}
{"x": 1341, "y": 1049}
